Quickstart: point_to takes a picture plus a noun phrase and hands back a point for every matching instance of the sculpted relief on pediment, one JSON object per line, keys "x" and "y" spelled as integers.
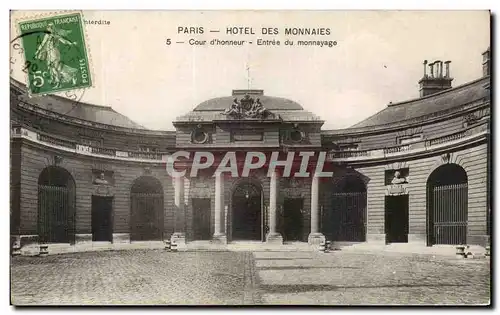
{"x": 248, "y": 108}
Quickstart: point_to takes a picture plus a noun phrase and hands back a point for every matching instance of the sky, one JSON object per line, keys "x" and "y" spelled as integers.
{"x": 378, "y": 59}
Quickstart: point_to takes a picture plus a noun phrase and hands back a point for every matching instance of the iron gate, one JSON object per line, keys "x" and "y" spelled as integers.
{"x": 55, "y": 214}
{"x": 348, "y": 217}
{"x": 147, "y": 216}
{"x": 449, "y": 214}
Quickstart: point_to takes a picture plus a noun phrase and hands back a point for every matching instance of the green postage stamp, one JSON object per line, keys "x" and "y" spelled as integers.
{"x": 55, "y": 52}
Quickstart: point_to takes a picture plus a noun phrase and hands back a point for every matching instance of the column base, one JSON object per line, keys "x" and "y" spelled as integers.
{"x": 121, "y": 238}
{"x": 315, "y": 238}
{"x": 179, "y": 238}
{"x": 274, "y": 238}
{"x": 219, "y": 239}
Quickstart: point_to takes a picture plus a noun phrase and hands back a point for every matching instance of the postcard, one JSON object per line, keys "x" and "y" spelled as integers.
{"x": 248, "y": 157}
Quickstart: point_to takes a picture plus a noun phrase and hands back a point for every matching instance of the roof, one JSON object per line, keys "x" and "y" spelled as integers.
{"x": 96, "y": 113}
{"x": 285, "y": 115}
{"x": 269, "y": 102}
{"x": 442, "y": 101}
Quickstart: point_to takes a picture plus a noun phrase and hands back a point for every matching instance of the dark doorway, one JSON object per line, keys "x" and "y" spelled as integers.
{"x": 56, "y": 206}
{"x": 293, "y": 220}
{"x": 345, "y": 220}
{"x": 396, "y": 219}
{"x": 447, "y": 203}
{"x": 201, "y": 218}
{"x": 247, "y": 212}
{"x": 102, "y": 223}
{"x": 146, "y": 209}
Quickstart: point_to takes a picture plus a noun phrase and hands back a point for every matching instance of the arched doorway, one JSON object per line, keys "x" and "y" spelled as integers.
{"x": 247, "y": 212}
{"x": 447, "y": 205}
{"x": 346, "y": 218}
{"x": 146, "y": 203}
{"x": 56, "y": 206}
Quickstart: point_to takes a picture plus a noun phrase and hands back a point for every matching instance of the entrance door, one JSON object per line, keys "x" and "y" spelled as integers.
{"x": 447, "y": 211}
{"x": 396, "y": 219}
{"x": 201, "y": 218}
{"x": 56, "y": 206}
{"x": 102, "y": 224}
{"x": 247, "y": 212}
{"x": 292, "y": 216}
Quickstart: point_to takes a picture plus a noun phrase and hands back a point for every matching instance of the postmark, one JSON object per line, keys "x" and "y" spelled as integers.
{"x": 18, "y": 65}
{"x": 55, "y": 52}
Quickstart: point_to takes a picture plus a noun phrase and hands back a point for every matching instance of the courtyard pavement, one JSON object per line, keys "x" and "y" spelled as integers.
{"x": 347, "y": 278}
{"x": 133, "y": 277}
{"x": 243, "y": 278}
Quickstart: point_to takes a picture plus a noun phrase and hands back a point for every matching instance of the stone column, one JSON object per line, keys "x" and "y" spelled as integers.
{"x": 315, "y": 237}
{"x": 179, "y": 236}
{"x": 219, "y": 233}
{"x": 273, "y": 236}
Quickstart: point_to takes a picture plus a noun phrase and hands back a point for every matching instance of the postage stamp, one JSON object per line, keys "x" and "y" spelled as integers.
{"x": 56, "y": 57}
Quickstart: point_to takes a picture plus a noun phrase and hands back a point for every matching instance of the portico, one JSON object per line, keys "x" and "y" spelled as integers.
{"x": 253, "y": 208}
{"x": 242, "y": 152}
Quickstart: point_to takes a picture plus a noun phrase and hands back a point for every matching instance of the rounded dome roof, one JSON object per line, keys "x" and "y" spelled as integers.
{"x": 269, "y": 102}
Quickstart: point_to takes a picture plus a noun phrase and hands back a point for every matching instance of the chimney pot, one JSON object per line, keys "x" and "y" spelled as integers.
{"x": 431, "y": 65}
{"x": 435, "y": 82}
{"x": 438, "y": 68}
{"x": 486, "y": 62}
{"x": 447, "y": 63}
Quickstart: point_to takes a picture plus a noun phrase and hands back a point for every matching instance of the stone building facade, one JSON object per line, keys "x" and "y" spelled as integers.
{"x": 416, "y": 172}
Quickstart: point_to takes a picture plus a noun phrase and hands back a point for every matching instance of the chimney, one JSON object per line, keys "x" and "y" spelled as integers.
{"x": 486, "y": 63}
{"x": 436, "y": 81}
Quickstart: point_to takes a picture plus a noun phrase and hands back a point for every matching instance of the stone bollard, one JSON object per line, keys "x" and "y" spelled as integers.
{"x": 44, "y": 250}
{"x": 487, "y": 253}
{"x": 461, "y": 251}
{"x": 16, "y": 249}
{"x": 324, "y": 246}
{"x": 168, "y": 245}
{"x": 173, "y": 247}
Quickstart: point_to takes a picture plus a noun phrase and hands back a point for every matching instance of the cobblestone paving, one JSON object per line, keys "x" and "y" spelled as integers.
{"x": 234, "y": 278}
{"x": 344, "y": 278}
{"x": 133, "y": 277}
